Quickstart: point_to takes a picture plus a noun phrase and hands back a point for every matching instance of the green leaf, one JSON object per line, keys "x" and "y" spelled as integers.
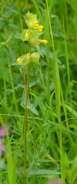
{"x": 33, "y": 83}
{"x": 21, "y": 35}
{"x": 30, "y": 106}
{"x": 41, "y": 50}
{"x": 74, "y": 170}
{"x": 43, "y": 172}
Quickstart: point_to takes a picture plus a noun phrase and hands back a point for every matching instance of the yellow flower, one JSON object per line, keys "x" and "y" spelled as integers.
{"x": 44, "y": 41}
{"x": 27, "y": 36}
{"x": 19, "y": 60}
{"x": 40, "y": 28}
{"x": 36, "y": 24}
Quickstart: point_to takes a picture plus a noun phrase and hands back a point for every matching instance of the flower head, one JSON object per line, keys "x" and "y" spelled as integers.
{"x": 31, "y": 34}
{"x": 44, "y": 41}
{"x": 19, "y": 60}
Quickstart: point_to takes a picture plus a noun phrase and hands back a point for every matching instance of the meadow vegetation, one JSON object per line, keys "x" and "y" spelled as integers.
{"x": 38, "y": 86}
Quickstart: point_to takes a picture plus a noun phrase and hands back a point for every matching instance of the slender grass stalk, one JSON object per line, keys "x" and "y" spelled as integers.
{"x": 57, "y": 90}
{"x": 3, "y": 66}
{"x": 68, "y": 73}
{"x": 26, "y": 117}
{"x": 56, "y": 71}
{"x": 19, "y": 13}
{"x": 67, "y": 63}
{"x": 10, "y": 163}
{"x": 25, "y": 123}
{"x": 3, "y": 72}
{"x": 75, "y": 5}
{"x": 12, "y": 86}
{"x": 66, "y": 119}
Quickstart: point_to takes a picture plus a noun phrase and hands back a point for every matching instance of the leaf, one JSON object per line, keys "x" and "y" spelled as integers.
{"x": 41, "y": 50}
{"x": 43, "y": 172}
{"x": 19, "y": 86}
{"x": 4, "y": 74}
{"x": 30, "y": 106}
{"x": 74, "y": 170}
{"x": 21, "y": 35}
{"x": 33, "y": 83}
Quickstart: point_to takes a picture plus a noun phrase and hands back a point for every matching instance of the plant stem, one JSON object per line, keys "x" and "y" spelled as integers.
{"x": 25, "y": 123}
{"x": 57, "y": 91}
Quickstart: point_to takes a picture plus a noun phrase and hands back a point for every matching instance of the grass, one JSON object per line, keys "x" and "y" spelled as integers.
{"x": 51, "y": 137}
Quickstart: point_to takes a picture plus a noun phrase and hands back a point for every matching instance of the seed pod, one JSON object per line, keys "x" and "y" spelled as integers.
{"x": 34, "y": 41}
{"x": 35, "y": 56}
{"x": 27, "y": 58}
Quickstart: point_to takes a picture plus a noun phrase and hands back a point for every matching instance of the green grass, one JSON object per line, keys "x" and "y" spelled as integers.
{"x": 51, "y": 140}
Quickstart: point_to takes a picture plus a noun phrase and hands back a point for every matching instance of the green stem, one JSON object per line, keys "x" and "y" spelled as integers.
{"x": 57, "y": 90}
{"x": 25, "y": 124}
{"x": 19, "y": 12}
{"x": 12, "y": 85}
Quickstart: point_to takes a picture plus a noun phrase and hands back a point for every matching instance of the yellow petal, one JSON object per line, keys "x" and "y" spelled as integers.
{"x": 44, "y": 41}
{"x": 19, "y": 60}
{"x": 40, "y": 28}
{"x": 27, "y": 36}
{"x": 36, "y": 24}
